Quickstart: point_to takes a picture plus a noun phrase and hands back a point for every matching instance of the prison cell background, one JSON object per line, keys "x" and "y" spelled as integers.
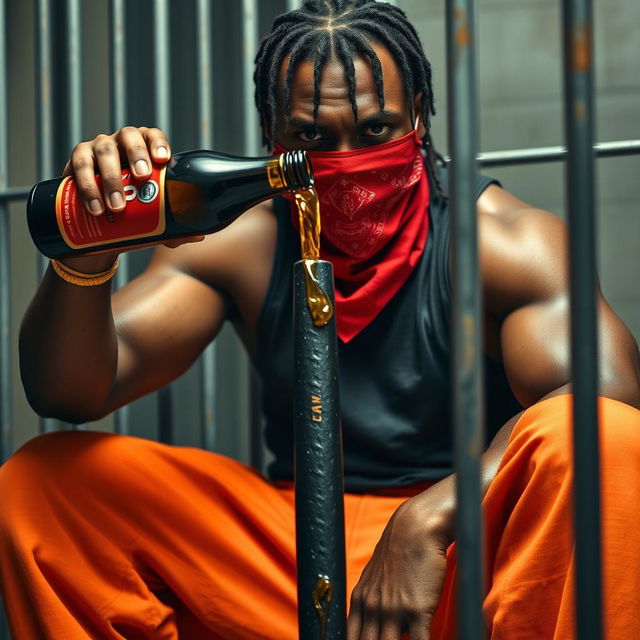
{"x": 520, "y": 90}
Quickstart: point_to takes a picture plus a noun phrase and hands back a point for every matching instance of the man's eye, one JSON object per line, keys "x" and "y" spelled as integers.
{"x": 310, "y": 135}
{"x": 378, "y": 129}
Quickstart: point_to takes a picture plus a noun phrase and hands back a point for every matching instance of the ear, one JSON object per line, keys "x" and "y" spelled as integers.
{"x": 417, "y": 110}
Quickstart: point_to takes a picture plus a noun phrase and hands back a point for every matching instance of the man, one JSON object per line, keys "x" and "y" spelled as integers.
{"x": 117, "y": 537}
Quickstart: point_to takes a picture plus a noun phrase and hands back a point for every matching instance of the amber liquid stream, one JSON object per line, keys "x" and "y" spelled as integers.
{"x": 309, "y": 213}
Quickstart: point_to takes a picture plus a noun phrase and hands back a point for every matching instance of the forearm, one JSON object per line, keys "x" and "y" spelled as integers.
{"x": 68, "y": 345}
{"x": 443, "y": 493}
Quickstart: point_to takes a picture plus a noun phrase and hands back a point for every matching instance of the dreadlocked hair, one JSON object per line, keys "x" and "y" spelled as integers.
{"x": 344, "y": 29}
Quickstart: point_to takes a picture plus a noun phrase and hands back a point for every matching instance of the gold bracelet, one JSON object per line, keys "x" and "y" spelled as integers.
{"x": 83, "y": 279}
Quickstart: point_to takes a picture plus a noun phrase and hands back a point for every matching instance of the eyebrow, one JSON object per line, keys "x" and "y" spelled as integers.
{"x": 385, "y": 114}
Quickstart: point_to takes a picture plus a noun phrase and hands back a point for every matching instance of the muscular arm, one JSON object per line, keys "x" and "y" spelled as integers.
{"x": 524, "y": 273}
{"x": 83, "y": 352}
{"x": 524, "y": 262}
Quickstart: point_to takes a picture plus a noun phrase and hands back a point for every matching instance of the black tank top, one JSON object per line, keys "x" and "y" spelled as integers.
{"x": 395, "y": 388}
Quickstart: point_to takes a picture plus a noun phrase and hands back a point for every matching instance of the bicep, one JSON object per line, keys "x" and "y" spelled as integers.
{"x": 164, "y": 319}
{"x": 524, "y": 257}
{"x": 536, "y": 349}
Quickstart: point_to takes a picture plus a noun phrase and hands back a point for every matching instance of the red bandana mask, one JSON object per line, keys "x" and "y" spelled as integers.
{"x": 373, "y": 207}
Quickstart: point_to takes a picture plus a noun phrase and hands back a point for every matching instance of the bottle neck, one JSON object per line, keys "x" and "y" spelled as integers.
{"x": 290, "y": 170}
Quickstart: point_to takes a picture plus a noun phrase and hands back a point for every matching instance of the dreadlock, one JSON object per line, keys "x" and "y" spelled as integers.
{"x": 344, "y": 29}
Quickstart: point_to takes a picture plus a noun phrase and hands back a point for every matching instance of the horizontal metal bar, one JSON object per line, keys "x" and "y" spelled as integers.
{"x": 14, "y": 193}
{"x": 486, "y": 159}
{"x": 554, "y": 154}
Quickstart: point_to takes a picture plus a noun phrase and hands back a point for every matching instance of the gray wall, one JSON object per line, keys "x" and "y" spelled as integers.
{"x": 521, "y": 106}
{"x": 520, "y": 85}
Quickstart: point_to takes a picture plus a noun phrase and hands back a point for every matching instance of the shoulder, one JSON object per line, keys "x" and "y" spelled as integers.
{"x": 522, "y": 251}
{"x": 221, "y": 258}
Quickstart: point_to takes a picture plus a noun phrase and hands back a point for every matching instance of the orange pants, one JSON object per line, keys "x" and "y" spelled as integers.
{"x": 109, "y": 536}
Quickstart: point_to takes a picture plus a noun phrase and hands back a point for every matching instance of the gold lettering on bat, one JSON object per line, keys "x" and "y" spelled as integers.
{"x": 316, "y": 408}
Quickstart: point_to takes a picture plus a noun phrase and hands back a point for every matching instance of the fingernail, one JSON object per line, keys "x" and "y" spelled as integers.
{"x": 116, "y": 200}
{"x": 142, "y": 168}
{"x": 162, "y": 152}
{"x": 96, "y": 207}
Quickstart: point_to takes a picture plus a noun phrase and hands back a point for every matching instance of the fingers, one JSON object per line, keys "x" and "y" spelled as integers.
{"x": 157, "y": 144}
{"x": 389, "y": 630}
{"x": 371, "y": 621}
{"x": 419, "y": 629}
{"x": 354, "y": 621}
{"x": 104, "y": 154}
{"x": 133, "y": 145}
{"x": 81, "y": 167}
{"x": 107, "y": 157}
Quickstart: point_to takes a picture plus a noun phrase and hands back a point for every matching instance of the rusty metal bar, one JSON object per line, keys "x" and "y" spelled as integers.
{"x": 577, "y": 26}
{"x": 467, "y": 375}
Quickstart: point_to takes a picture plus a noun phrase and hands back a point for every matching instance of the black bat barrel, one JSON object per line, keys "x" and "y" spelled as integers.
{"x": 318, "y": 468}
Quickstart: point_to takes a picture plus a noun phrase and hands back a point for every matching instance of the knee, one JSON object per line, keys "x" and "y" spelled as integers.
{"x": 65, "y": 462}
{"x": 547, "y": 428}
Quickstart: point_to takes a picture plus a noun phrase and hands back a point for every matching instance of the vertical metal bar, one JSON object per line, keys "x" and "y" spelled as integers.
{"x": 162, "y": 105}
{"x": 467, "y": 375}
{"x": 577, "y": 19}
{"x": 205, "y": 141}
{"x": 118, "y": 82}
{"x": 74, "y": 72}
{"x": 6, "y": 426}
{"x": 44, "y": 126}
{"x": 6, "y": 429}
{"x": 250, "y": 48}
{"x": 251, "y": 148}
{"x": 162, "y": 69}
{"x": 74, "y": 88}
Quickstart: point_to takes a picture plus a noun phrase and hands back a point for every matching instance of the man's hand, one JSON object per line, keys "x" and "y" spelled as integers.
{"x": 400, "y": 587}
{"x": 106, "y": 154}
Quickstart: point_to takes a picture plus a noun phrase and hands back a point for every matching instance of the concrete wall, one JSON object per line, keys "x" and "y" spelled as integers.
{"x": 520, "y": 84}
{"x": 520, "y": 73}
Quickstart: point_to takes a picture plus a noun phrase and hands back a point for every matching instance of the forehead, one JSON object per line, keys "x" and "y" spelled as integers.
{"x": 334, "y": 87}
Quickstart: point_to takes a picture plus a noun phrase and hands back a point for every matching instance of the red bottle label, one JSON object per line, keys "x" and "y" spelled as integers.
{"x": 143, "y": 215}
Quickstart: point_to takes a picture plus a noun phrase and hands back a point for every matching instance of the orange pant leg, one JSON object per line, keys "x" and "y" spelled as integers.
{"x": 101, "y": 534}
{"x": 106, "y": 536}
{"x": 529, "y": 529}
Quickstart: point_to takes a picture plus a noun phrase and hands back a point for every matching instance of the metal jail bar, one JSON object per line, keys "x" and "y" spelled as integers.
{"x": 580, "y": 172}
{"x": 118, "y": 117}
{"x": 466, "y": 330}
{"x": 6, "y": 426}
{"x": 44, "y": 123}
{"x": 206, "y": 141}
{"x": 577, "y": 26}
